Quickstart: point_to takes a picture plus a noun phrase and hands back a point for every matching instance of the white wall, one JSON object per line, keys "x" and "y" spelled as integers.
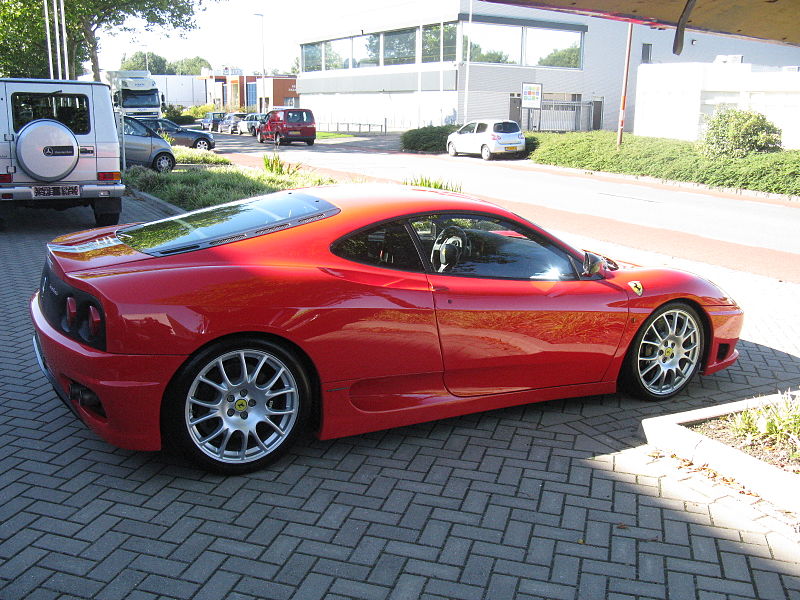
{"x": 674, "y": 100}
{"x": 183, "y": 90}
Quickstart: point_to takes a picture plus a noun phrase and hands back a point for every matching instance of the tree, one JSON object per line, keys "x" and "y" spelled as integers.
{"x": 565, "y": 57}
{"x": 24, "y": 44}
{"x": 188, "y": 66}
{"x": 139, "y": 61}
{"x": 94, "y": 15}
{"x": 478, "y": 54}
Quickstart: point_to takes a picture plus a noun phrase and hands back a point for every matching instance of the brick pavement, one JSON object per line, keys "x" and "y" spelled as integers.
{"x": 555, "y": 500}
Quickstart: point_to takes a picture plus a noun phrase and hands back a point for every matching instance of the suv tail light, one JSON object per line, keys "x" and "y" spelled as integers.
{"x": 6, "y": 178}
{"x": 109, "y": 176}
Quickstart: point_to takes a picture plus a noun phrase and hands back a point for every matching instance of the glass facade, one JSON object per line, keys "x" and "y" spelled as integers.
{"x": 486, "y": 42}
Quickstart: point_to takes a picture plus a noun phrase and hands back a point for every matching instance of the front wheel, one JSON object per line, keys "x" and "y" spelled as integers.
{"x": 486, "y": 154}
{"x": 202, "y": 144}
{"x": 278, "y": 139}
{"x": 666, "y": 352}
{"x": 163, "y": 163}
{"x": 260, "y": 138}
{"x": 238, "y": 405}
{"x": 451, "y": 149}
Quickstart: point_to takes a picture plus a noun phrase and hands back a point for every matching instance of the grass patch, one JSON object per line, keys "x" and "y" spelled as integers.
{"x": 774, "y": 172}
{"x": 328, "y": 135}
{"x": 199, "y": 188}
{"x": 436, "y": 184}
{"x": 192, "y": 156}
{"x": 273, "y": 164}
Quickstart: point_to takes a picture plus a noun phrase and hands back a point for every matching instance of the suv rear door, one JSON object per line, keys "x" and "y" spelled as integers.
{"x": 68, "y": 151}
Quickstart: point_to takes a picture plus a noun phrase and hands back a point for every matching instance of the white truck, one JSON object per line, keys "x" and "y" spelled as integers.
{"x": 135, "y": 94}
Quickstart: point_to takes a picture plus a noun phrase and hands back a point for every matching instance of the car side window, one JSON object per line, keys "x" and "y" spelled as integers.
{"x": 480, "y": 128}
{"x": 468, "y": 128}
{"x": 485, "y": 246}
{"x": 134, "y": 128}
{"x": 388, "y": 245}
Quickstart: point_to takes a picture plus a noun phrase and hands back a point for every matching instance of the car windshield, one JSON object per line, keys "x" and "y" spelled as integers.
{"x": 226, "y": 223}
{"x": 506, "y": 127}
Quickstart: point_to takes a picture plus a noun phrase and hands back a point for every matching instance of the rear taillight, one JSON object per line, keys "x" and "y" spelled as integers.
{"x": 109, "y": 176}
{"x": 495, "y": 136}
{"x": 71, "y": 311}
{"x": 6, "y": 178}
{"x": 95, "y": 321}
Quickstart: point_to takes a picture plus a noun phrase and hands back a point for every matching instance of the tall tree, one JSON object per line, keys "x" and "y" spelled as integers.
{"x": 139, "y": 61}
{"x": 23, "y": 44}
{"x": 188, "y": 66}
{"x": 94, "y": 15}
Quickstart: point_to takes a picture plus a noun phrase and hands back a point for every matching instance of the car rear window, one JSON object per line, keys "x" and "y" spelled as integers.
{"x": 226, "y": 223}
{"x": 299, "y": 116}
{"x": 70, "y": 109}
{"x": 506, "y": 127}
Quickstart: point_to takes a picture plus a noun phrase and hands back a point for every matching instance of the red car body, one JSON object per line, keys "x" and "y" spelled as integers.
{"x": 287, "y": 125}
{"x": 383, "y": 347}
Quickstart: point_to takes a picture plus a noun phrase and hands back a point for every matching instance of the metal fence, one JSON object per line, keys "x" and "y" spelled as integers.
{"x": 562, "y": 116}
{"x": 343, "y": 127}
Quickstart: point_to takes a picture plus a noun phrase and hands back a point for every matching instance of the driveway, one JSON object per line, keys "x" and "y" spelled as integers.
{"x": 552, "y": 500}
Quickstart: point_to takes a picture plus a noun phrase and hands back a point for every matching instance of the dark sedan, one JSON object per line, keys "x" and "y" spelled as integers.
{"x": 181, "y": 136}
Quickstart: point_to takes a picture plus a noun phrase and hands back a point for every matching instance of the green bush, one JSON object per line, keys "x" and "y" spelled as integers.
{"x": 736, "y": 133}
{"x": 432, "y": 138}
{"x": 774, "y": 172}
{"x": 198, "y": 112}
{"x": 193, "y": 156}
{"x": 173, "y": 111}
{"x": 184, "y": 120}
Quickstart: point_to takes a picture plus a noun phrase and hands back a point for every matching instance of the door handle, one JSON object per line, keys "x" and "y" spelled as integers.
{"x": 439, "y": 288}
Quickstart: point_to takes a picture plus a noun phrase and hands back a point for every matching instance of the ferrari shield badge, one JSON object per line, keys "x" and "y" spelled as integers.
{"x": 636, "y": 286}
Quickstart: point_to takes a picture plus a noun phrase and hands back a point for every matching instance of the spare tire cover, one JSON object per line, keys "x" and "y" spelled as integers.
{"x": 47, "y": 150}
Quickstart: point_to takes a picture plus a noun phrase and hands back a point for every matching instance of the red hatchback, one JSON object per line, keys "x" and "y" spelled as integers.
{"x": 350, "y": 309}
{"x": 287, "y": 125}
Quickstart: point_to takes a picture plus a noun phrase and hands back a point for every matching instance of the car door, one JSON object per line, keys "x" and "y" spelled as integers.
{"x": 138, "y": 143}
{"x": 464, "y": 138}
{"x": 512, "y": 312}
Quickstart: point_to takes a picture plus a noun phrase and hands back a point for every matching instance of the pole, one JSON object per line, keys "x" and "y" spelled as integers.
{"x": 58, "y": 38}
{"x": 64, "y": 37}
{"x": 49, "y": 41}
{"x": 263, "y": 68}
{"x": 466, "y": 67}
{"x": 624, "y": 94}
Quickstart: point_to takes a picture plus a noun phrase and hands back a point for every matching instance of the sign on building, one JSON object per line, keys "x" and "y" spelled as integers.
{"x": 532, "y": 95}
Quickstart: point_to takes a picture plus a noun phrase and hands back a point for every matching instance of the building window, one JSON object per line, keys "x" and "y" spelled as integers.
{"x": 647, "y": 54}
{"x": 338, "y": 54}
{"x": 399, "y": 47}
{"x": 449, "y": 44}
{"x": 552, "y": 48}
{"x": 499, "y": 44}
{"x": 431, "y": 43}
{"x": 312, "y": 57}
{"x": 366, "y": 50}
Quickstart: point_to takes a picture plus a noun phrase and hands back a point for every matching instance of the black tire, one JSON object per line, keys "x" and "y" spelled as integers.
{"x": 451, "y": 149}
{"x": 164, "y": 163}
{"x": 202, "y": 144}
{"x": 228, "y": 417}
{"x": 259, "y": 138}
{"x": 106, "y": 219}
{"x": 310, "y": 142}
{"x": 668, "y": 348}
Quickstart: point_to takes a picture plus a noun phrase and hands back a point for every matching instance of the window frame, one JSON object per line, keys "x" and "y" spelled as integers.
{"x": 404, "y": 222}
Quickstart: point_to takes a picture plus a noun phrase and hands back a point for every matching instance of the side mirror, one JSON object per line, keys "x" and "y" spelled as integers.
{"x": 592, "y": 264}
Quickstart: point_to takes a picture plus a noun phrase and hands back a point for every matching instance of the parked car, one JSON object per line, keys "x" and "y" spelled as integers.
{"x": 287, "y": 125}
{"x": 182, "y": 136}
{"x": 228, "y": 124}
{"x": 143, "y": 146}
{"x": 60, "y": 147}
{"x": 487, "y": 138}
{"x": 249, "y": 123}
{"x": 211, "y": 120}
{"x": 355, "y": 308}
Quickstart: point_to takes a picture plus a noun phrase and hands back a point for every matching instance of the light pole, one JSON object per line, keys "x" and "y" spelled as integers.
{"x": 263, "y": 67}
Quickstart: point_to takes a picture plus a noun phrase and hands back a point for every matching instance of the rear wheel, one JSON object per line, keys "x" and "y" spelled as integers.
{"x": 310, "y": 142}
{"x": 486, "y": 154}
{"x": 666, "y": 352}
{"x": 106, "y": 219}
{"x": 260, "y": 138}
{"x": 238, "y": 405}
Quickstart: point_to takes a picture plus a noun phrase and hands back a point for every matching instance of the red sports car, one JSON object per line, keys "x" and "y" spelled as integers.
{"x": 350, "y": 309}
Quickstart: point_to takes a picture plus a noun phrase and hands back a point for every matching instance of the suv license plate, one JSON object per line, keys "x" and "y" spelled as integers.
{"x": 49, "y": 191}
{"x": 294, "y": 133}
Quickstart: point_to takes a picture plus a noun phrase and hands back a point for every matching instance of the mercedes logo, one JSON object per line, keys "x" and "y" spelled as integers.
{"x": 48, "y": 151}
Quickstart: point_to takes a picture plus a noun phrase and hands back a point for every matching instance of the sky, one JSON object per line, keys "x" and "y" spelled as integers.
{"x": 228, "y": 33}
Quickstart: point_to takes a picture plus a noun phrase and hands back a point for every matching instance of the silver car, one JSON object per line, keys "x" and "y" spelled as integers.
{"x": 145, "y": 147}
{"x": 487, "y": 138}
{"x": 249, "y": 123}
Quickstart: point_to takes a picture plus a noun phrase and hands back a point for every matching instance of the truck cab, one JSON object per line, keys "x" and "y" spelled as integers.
{"x": 135, "y": 94}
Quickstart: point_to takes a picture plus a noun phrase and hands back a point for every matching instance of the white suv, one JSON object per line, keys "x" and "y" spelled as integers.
{"x": 59, "y": 147}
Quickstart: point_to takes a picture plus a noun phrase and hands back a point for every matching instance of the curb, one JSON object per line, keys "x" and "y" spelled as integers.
{"x": 667, "y": 432}
{"x": 156, "y": 203}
